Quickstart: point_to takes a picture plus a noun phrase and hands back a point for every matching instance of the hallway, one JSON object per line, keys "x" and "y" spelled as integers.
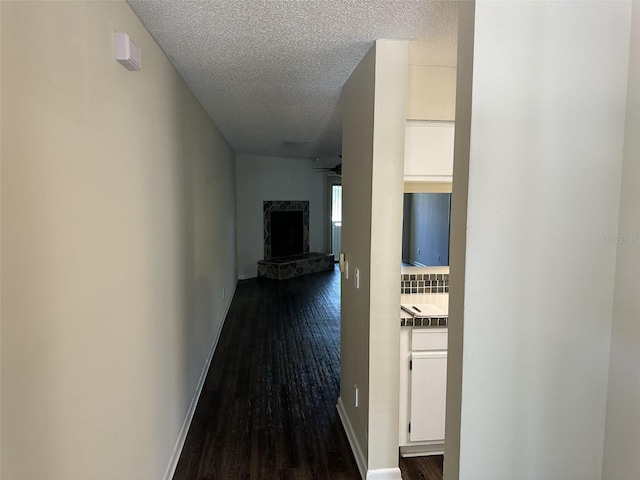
{"x": 267, "y": 410}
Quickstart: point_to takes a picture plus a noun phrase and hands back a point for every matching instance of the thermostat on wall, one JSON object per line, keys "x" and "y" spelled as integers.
{"x": 127, "y": 52}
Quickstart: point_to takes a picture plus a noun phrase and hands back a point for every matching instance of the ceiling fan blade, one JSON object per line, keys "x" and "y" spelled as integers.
{"x": 337, "y": 169}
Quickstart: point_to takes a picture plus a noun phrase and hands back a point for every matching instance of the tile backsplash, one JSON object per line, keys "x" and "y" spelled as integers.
{"x": 424, "y": 283}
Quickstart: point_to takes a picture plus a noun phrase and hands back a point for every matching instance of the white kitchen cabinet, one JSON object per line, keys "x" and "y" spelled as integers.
{"x": 428, "y": 155}
{"x": 423, "y": 386}
{"x": 428, "y": 396}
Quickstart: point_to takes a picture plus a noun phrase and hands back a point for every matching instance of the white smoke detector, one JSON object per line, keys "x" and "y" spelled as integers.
{"x": 127, "y": 52}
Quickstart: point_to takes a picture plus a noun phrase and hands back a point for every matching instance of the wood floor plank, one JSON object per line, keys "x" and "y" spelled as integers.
{"x": 267, "y": 409}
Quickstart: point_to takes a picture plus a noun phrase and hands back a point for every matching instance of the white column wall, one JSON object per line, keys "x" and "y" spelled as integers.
{"x": 622, "y": 439}
{"x": 373, "y": 149}
{"x": 544, "y": 163}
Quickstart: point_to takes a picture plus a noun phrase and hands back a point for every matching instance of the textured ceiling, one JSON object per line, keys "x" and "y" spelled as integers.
{"x": 272, "y": 70}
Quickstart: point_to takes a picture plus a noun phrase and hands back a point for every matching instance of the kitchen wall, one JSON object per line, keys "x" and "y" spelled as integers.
{"x": 425, "y": 236}
{"x": 431, "y": 92}
{"x": 373, "y": 149}
{"x": 260, "y": 178}
{"x": 542, "y": 170}
{"x": 622, "y": 438}
{"x": 118, "y": 239}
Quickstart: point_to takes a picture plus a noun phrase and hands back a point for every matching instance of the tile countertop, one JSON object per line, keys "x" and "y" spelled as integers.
{"x": 409, "y": 269}
{"x": 440, "y": 300}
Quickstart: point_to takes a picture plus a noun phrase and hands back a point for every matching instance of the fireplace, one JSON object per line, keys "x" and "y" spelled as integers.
{"x": 286, "y": 228}
{"x": 286, "y": 234}
{"x": 286, "y": 242}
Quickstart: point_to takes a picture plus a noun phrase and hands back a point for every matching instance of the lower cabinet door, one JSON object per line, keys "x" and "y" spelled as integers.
{"x": 428, "y": 396}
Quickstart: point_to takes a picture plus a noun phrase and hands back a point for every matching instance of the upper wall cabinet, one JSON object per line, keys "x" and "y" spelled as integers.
{"x": 428, "y": 151}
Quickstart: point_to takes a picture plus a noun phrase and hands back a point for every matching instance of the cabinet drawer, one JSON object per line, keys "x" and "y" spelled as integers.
{"x": 428, "y": 339}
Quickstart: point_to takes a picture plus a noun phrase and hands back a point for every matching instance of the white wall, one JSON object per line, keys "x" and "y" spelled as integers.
{"x": 458, "y": 238}
{"x": 431, "y": 93}
{"x": 373, "y": 150}
{"x": 544, "y": 164}
{"x": 357, "y": 151}
{"x": 386, "y": 247}
{"x": 622, "y": 439}
{"x": 0, "y": 241}
{"x": 117, "y": 240}
{"x": 260, "y": 179}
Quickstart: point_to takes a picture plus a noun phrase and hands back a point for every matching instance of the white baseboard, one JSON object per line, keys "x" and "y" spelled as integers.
{"x": 182, "y": 436}
{"x": 353, "y": 441}
{"x": 384, "y": 474}
{"x": 247, "y": 277}
{"x": 422, "y": 450}
{"x": 379, "y": 474}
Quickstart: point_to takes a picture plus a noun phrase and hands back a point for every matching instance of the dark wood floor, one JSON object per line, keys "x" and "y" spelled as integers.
{"x": 267, "y": 409}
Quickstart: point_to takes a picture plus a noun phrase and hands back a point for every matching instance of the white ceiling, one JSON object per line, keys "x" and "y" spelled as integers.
{"x": 272, "y": 70}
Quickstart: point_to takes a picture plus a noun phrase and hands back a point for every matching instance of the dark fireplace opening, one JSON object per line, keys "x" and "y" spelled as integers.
{"x": 287, "y": 236}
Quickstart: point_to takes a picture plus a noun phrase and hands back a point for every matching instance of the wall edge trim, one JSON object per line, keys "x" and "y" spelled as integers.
{"x": 384, "y": 474}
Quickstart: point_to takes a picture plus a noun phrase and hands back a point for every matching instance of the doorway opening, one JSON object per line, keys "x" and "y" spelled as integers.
{"x": 335, "y": 227}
